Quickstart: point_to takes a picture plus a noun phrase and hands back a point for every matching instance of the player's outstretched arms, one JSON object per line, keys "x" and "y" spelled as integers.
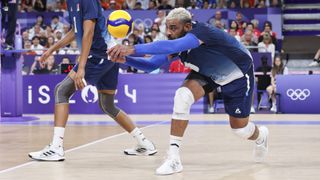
{"x": 145, "y": 64}
{"x": 189, "y": 41}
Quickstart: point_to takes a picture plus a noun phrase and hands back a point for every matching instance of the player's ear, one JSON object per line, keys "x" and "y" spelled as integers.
{"x": 187, "y": 26}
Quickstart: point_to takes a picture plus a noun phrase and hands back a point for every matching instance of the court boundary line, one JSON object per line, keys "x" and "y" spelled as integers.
{"x": 77, "y": 148}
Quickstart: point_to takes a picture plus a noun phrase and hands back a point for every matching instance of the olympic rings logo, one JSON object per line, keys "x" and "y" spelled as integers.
{"x": 146, "y": 22}
{"x": 298, "y": 94}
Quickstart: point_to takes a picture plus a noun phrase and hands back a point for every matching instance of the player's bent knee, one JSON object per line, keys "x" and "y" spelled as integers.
{"x": 106, "y": 103}
{"x": 64, "y": 90}
{"x": 245, "y": 132}
{"x": 183, "y": 100}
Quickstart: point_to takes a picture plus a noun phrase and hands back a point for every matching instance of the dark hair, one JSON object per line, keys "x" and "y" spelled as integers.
{"x": 277, "y": 69}
{"x": 267, "y": 23}
{"x": 35, "y": 37}
{"x": 147, "y": 37}
{"x": 55, "y": 17}
{"x": 237, "y": 26}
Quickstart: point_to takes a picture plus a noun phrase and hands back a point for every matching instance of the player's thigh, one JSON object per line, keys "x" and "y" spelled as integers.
{"x": 109, "y": 80}
{"x": 237, "y": 96}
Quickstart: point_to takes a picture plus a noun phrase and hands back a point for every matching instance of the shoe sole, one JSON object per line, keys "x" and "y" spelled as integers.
{"x": 58, "y": 160}
{"x": 169, "y": 174}
{"x": 267, "y": 139}
{"x": 141, "y": 154}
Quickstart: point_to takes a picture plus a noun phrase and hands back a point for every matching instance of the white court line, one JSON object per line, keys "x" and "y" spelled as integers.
{"x": 77, "y": 148}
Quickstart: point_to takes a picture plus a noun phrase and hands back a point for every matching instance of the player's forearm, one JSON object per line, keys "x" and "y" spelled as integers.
{"x": 88, "y": 32}
{"x": 187, "y": 42}
{"x": 147, "y": 64}
{"x": 69, "y": 37}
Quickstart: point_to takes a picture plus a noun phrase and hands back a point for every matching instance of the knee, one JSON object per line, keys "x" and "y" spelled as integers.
{"x": 64, "y": 90}
{"x": 245, "y": 132}
{"x": 183, "y": 100}
{"x": 106, "y": 104}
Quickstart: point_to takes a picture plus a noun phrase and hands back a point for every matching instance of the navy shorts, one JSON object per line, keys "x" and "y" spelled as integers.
{"x": 101, "y": 73}
{"x": 237, "y": 95}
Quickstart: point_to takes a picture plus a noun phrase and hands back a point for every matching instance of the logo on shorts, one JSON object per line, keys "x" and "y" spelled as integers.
{"x": 89, "y": 94}
{"x": 298, "y": 94}
{"x": 238, "y": 111}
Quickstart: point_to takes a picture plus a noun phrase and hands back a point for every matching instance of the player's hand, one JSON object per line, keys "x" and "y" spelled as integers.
{"x": 79, "y": 81}
{"x": 119, "y": 51}
{"x": 45, "y": 56}
{"x": 121, "y": 60}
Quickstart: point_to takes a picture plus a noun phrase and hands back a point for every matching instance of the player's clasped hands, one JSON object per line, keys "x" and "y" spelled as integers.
{"x": 118, "y": 53}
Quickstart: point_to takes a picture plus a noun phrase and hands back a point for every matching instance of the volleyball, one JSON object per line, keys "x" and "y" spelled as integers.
{"x": 119, "y": 23}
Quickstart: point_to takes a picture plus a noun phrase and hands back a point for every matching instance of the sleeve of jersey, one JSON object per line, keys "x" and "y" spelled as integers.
{"x": 189, "y": 41}
{"x": 90, "y": 9}
{"x": 207, "y": 35}
{"x": 147, "y": 64}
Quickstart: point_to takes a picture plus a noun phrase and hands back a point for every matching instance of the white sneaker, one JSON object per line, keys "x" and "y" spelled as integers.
{"x": 146, "y": 149}
{"x": 261, "y": 150}
{"x": 171, "y": 165}
{"x": 252, "y": 110}
{"x": 273, "y": 108}
{"x": 314, "y": 64}
{"x": 210, "y": 109}
{"x": 49, "y": 153}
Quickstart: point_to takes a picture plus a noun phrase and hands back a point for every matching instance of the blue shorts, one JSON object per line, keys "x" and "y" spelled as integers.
{"x": 237, "y": 95}
{"x": 101, "y": 73}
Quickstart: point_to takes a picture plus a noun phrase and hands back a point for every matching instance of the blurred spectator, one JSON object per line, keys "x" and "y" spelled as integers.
{"x": 278, "y": 68}
{"x": 316, "y": 59}
{"x": 261, "y": 4}
{"x": 248, "y": 40}
{"x": 152, "y": 5}
{"x": 164, "y": 5}
{"x": 43, "y": 38}
{"x": 40, "y": 21}
{"x": 256, "y": 30}
{"x": 27, "y": 45}
{"x": 233, "y": 4}
{"x": 275, "y": 3}
{"x": 266, "y": 45}
{"x": 256, "y": 33}
{"x": 27, "y": 5}
{"x": 65, "y": 60}
{"x": 56, "y": 24}
{"x": 160, "y": 21}
{"x": 50, "y": 42}
{"x": 73, "y": 48}
{"x": 267, "y": 29}
{"x": 239, "y": 20}
{"x": 40, "y": 5}
{"x": 180, "y": 3}
{"x": 206, "y": 5}
{"x": 218, "y": 17}
{"x": 233, "y": 33}
{"x": 35, "y": 31}
{"x": 104, "y": 4}
{"x": 247, "y": 3}
{"x": 66, "y": 29}
{"x": 51, "y": 66}
{"x": 36, "y": 45}
{"x": 221, "y": 4}
{"x": 148, "y": 39}
{"x": 234, "y": 25}
{"x": 61, "y": 6}
{"x": 49, "y": 31}
{"x": 25, "y": 36}
{"x": 138, "y": 6}
{"x": 193, "y": 5}
{"x": 58, "y": 35}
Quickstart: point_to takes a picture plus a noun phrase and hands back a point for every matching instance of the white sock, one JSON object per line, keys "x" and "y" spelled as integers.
{"x": 260, "y": 138}
{"x": 175, "y": 144}
{"x": 58, "y": 135}
{"x": 138, "y": 135}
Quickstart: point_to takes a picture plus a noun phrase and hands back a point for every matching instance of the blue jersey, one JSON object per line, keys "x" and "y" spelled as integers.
{"x": 221, "y": 57}
{"x": 81, "y": 10}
